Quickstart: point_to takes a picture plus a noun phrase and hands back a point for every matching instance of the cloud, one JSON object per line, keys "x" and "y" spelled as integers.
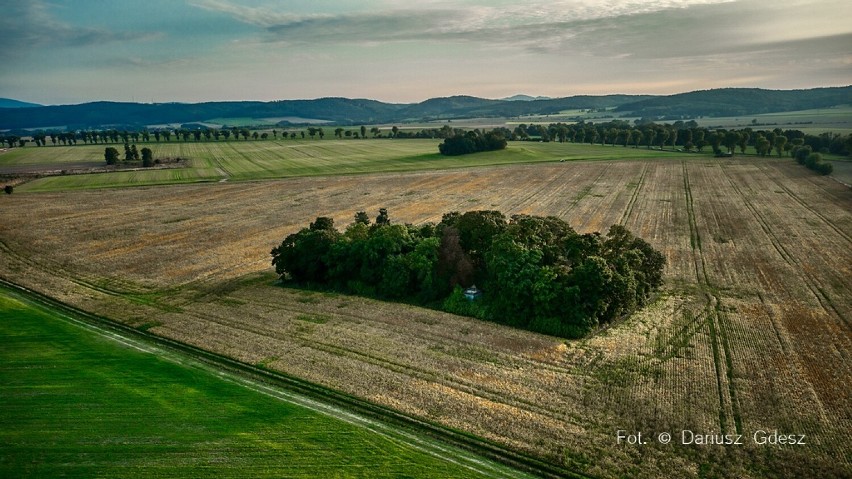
{"x": 523, "y": 24}
{"x": 27, "y": 26}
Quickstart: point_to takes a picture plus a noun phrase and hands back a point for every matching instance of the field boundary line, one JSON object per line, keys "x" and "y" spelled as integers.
{"x": 712, "y": 309}
{"x": 808, "y": 207}
{"x": 810, "y": 282}
{"x": 630, "y": 204}
{"x": 332, "y": 398}
{"x": 487, "y": 393}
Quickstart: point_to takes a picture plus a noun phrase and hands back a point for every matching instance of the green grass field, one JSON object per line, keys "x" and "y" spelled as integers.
{"x": 80, "y": 402}
{"x": 253, "y": 160}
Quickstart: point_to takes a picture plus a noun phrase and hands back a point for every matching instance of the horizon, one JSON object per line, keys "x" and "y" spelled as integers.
{"x": 62, "y": 53}
{"x": 537, "y": 97}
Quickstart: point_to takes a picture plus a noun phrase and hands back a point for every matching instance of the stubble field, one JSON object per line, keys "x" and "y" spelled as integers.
{"x": 751, "y": 333}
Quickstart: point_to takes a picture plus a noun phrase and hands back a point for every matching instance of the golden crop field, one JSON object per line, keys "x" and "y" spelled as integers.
{"x": 752, "y": 332}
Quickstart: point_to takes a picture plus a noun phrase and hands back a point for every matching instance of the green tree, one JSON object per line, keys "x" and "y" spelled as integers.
{"x": 637, "y": 137}
{"x": 361, "y": 217}
{"x": 780, "y": 144}
{"x": 304, "y": 256}
{"x": 732, "y": 139}
{"x": 147, "y": 157}
{"x": 762, "y": 145}
{"x": 110, "y": 155}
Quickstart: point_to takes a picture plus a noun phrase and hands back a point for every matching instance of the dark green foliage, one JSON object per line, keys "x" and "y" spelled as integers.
{"x": 8, "y": 189}
{"x": 537, "y": 272}
{"x": 305, "y": 255}
{"x": 110, "y": 155}
{"x": 814, "y": 161}
{"x": 472, "y": 142}
{"x": 147, "y": 157}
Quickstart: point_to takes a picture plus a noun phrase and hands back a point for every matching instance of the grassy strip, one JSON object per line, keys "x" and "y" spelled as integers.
{"x": 456, "y": 438}
{"x": 78, "y": 403}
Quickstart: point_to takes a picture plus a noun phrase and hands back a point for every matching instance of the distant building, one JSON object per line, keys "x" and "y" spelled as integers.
{"x": 472, "y": 293}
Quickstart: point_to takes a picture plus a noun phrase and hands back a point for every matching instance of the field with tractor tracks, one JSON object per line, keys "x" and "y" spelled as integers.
{"x": 751, "y": 334}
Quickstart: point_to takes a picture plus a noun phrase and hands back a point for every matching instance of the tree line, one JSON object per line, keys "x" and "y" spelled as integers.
{"x": 686, "y": 136}
{"x": 535, "y": 272}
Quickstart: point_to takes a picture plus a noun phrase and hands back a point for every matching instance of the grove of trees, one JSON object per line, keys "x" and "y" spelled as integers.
{"x": 472, "y": 142}
{"x": 535, "y": 272}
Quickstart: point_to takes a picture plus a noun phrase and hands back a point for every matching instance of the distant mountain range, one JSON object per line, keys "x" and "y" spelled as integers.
{"x": 9, "y": 103}
{"x": 346, "y": 111}
{"x": 526, "y": 98}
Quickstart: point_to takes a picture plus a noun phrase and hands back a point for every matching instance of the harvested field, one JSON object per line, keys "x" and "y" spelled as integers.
{"x": 752, "y": 332}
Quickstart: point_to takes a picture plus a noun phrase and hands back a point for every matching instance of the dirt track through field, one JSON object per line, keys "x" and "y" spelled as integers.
{"x": 751, "y": 333}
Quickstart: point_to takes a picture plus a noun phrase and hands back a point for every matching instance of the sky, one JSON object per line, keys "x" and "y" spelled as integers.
{"x": 68, "y": 52}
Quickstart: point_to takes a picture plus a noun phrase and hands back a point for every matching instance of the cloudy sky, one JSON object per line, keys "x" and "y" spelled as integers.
{"x": 63, "y": 51}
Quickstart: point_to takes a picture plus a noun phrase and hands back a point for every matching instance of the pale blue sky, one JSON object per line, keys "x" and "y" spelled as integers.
{"x": 62, "y": 51}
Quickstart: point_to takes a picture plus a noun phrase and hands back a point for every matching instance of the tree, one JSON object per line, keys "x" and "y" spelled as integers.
{"x": 762, "y": 145}
{"x": 304, "y": 256}
{"x": 662, "y": 137}
{"x": 780, "y": 143}
{"x": 649, "y": 137}
{"x": 732, "y": 138}
{"x": 394, "y": 131}
{"x": 382, "y": 219}
{"x": 338, "y": 132}
{"x": 8, "y": 189}
{"x": 744, "y": 137}
{"x": 375, "y": 131}
{"x": 363, "y": 131}
{"x": 110, "y": 155}
{"x": 637, "y": 138}
{"x": 362, "y": 218}
{"x": 147, "y": 157}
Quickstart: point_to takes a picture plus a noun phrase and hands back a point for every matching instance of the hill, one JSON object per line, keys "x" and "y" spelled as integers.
{"x": 10, "y": 103}
{"x": 346, "y": 111}
{"x": 736, "y": 102}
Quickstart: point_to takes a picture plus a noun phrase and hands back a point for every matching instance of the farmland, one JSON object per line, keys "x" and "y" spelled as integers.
{"x": 79, "y": 401}
{"x": 253, "y": 160}
{"x": 751, "y": 332}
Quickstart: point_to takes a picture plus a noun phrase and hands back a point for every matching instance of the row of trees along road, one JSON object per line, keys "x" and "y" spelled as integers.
{"x": 687, "y": 136}
{"x": 94, "y": 137}
{"x": 641, "y": 133}
{"x": 535, "y": 273}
